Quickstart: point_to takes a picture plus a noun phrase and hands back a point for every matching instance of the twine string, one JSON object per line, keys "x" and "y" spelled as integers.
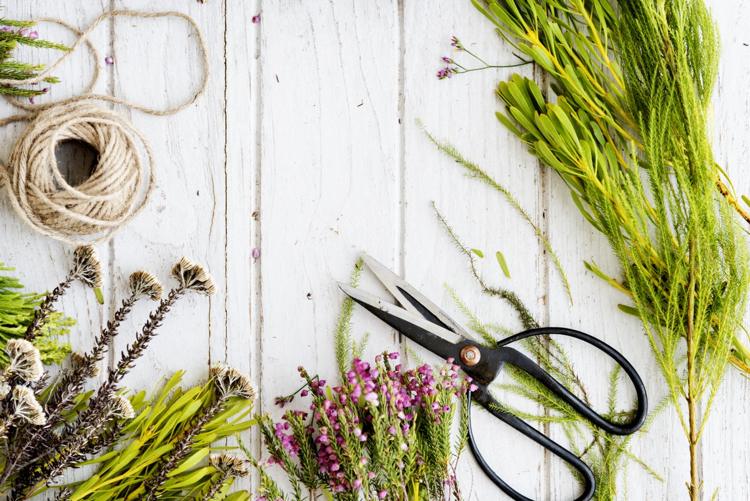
{"x": 123, "y": 179}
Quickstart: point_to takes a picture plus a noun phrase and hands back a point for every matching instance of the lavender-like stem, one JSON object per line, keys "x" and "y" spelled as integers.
{"x": 43, "y": 310}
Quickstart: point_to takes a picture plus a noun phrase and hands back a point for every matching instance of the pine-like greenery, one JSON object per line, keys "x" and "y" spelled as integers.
{"x": 627, "y": 131}
{"x": 607, "y": 455}
{"x": 12, "y": 34}
{"x": 16, "y": 313}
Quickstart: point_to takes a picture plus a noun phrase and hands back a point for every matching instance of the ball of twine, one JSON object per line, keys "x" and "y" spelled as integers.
{"x": 123, "y": 179}
{"x": 117, "y": 189}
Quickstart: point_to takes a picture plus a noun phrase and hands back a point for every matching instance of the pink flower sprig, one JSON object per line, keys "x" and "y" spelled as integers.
{"x": 455, "y": 68}
{"x": 371, "y": 434}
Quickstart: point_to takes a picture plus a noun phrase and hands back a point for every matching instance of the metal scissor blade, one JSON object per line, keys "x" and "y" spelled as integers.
{"x": 420, "y": 330}
{"x": 410, "y": 298}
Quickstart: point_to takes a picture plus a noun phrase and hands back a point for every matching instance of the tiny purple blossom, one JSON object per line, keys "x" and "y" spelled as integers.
{"x": 256, "y": 18}
{"x": 255, "y": 253}
{"x": 109, "y": 60}
{"x": 33, "y": 35}
{"x": 444, "y": 73}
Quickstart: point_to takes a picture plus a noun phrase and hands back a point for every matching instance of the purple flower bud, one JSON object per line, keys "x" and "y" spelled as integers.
{"x": 33, "y": 34}
{"x": 382, "y": 494}
{"x": 255, "y": 253}
{"x": 256, "y": 18}
{"x": 109, "y": 60}
{"x": 392, "y": 430}
{"x": 446, "y": 59}
{"x": 473, "y": 388}
{"x": 393, "y": 355}
{"x": 357, "y": 484}
{"x": 304, "y": 393}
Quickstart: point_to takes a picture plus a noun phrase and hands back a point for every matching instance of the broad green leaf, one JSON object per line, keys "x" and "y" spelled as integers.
{"x": 630, "y": 310}
{"x": 192, "y": 460}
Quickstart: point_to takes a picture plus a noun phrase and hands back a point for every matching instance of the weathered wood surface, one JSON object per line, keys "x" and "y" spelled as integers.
{"x": 306, "y": 146}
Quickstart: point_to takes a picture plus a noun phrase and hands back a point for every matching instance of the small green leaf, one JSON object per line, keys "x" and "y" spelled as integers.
{"x": 99, "y": 295}
{"x": 630, "y": 310}
{"x": 478, "y": 252}
{"x": 503, "y": 265}
{"x": 746, "y": 200}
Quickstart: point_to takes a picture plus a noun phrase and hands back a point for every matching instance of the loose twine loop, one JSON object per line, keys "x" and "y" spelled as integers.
{"x": 123, "y": 179}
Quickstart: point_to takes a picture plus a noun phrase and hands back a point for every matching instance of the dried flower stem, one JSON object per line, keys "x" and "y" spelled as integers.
{"x": 217, "y": 486}
{"x": 73, "y": 379}
{"x": 95, "y": 419}
{"x": 41, "y": 314}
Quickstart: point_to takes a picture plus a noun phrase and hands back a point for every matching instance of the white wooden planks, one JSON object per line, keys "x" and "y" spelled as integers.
{"x": 305, "y": 146}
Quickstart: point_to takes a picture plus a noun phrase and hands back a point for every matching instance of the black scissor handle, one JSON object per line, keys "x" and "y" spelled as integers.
{"x": 485, "y": 400}
{"x": 518, "y": 359}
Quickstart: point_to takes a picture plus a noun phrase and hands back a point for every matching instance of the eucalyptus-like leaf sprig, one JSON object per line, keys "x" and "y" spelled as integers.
{"x": 627, "y": 131}
{"x": 161, "y": 423}
{"x": 228, "y": 384}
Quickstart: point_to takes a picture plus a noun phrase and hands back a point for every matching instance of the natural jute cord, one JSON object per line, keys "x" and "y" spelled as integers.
{"x": 123, "y": 180}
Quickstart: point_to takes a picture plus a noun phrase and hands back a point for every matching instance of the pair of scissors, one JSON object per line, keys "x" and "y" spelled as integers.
{"x": 417, "y": 318}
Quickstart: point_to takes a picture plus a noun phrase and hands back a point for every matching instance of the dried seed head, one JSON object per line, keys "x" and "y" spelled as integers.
{"x": 230, "y": 465}
{"x": 231, "y": 382}
{"x": 193, "y": 276}
{"x": 79, "y": 360}
{"x": 4, "y": 386}
{"x": 86, "y": 266}
{"x": 122, "y": 408}
{"x": 25, "y": 361}
{"x": 26, "y": 406}
{"x": 143, "y": 283}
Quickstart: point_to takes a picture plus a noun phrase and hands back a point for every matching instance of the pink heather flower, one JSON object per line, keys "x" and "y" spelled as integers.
{"x": 382, "y": 494}
{"x": 304, "y": 393}
{"x": 392, "y": 430}
{"x": 109, "y": 60}
{"x": 393, "y": 355}
{"x": 357, "y": 484}
{"x": 255, "y": 253}
{"x": 370, "y": 475}
{"x": 473, "y": 387}
{"x": 446, "y": 59}
{"x": 33, "y": 34}
{"x": 256, "y": 18}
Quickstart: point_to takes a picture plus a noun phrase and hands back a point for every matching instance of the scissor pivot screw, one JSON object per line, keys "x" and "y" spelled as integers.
{"x": 470, "y": 355}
